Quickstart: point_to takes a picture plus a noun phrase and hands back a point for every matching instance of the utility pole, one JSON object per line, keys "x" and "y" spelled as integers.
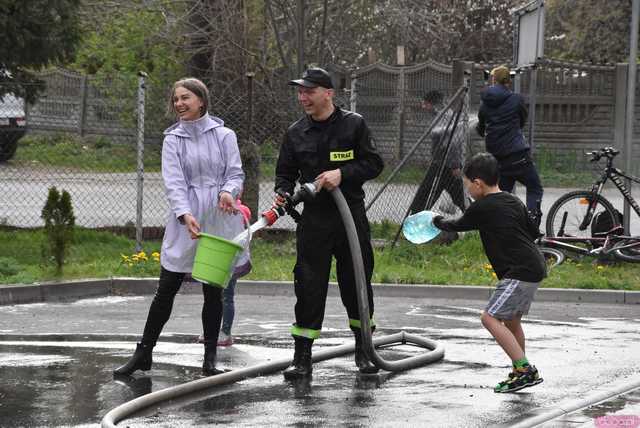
{"x": 631, "y": 102}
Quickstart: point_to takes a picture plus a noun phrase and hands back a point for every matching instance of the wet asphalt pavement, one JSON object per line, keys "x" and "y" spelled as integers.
{"x": 56, "y": 361}
{"x": 619, "y": 412}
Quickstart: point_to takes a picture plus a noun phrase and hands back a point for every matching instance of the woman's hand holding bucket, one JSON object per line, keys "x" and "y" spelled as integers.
{"x": 192, "y": 225}
{"x": 226, "y": 204}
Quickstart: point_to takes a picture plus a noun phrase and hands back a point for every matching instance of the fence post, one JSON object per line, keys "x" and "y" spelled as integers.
{"x": 401, "y": 92}
{"x": 84, "y": 89}
{"x": 461, "y": 75}
{"x": 620, "y": 105}
{"x": 140, "y": 169}
{"x": 533, "y": 90}
{"x": 250, "y": 76}
{"x": 631, "y": 104}
{"x": 353, "y": 96}
{"x": 250, "y": 154}
{"x": 457, "y": 74}
{"x": 467, "y": 73}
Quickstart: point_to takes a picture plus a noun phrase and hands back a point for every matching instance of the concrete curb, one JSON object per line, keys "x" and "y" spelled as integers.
{"x": 285, "y": 288}
{"x": 54, "y": 291}
{"x": 472, "y": 292}
{"x": 542, "y": 415}
{"x": 73, "y": 290}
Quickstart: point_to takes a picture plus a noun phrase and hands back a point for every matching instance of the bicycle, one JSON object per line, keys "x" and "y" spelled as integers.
{"x": 580, "y": 216}
{"x": 604, "y": 246}
{"x": 552, "y": 256}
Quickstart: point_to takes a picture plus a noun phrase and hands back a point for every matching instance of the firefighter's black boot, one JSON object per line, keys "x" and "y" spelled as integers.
{"x": 140, "y": 360}
{"x": 362, "y": 361}
{"x": 301, "y": 365}
{"x": 209, "y": 363}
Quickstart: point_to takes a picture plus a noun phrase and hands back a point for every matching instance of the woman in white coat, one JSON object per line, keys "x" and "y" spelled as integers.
{"x": 202, "y": 175}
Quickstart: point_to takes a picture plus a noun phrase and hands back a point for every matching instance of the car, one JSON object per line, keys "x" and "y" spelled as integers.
{"x": 12, "y": 124}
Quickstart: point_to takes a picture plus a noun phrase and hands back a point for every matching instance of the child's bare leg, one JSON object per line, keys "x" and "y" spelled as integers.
{"x": 505, "y": 338}
{"x": 515, "y": 326}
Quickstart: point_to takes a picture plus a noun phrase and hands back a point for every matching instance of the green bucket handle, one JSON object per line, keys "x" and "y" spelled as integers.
{"x": 245, "y": 222}
{"x": 212, "y": 273}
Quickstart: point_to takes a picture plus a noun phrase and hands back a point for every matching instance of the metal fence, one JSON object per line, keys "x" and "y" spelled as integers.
{"x": 390, "y": 99}
{"x": 435, "y": 180}
{"x": 579, "y": 107}
{"x": 83, "y": 135}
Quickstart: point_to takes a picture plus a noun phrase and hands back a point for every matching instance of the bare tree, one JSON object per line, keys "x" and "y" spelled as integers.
{"x": 443, "y": 30}
{"x": 588, "y": 30}
{"x": 274, "y": 39}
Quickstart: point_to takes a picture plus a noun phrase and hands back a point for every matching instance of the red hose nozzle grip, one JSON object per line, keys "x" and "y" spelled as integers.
{"x": 271, "y": 216}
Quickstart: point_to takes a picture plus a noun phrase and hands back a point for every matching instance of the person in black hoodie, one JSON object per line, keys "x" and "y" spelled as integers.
{"x": 501, "y": 118}
{"x": 507, "y": 233}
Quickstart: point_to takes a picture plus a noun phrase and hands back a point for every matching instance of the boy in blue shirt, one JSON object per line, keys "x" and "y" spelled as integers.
{"x": 507, "y": 233}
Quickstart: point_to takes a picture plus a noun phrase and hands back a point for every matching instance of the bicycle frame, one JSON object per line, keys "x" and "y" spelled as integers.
{"x": 616, "y": 176}
{"x": 600, "y": 245}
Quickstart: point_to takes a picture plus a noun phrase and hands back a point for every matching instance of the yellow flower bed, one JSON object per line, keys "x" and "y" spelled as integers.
{"x": 139, "y": 259}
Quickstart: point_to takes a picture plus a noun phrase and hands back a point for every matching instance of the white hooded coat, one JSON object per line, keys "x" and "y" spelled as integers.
{"x": 200, "y": 159}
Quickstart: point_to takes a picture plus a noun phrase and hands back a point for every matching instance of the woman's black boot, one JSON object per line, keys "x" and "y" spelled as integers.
{"x": 141, "y": 360}
{"x": 209, "y": 364}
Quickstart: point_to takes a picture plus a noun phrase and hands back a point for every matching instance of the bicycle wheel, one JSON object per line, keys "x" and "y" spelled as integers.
{"x": 571, "y": 208}
{"x": 628, "y": 250}
{"x": 552, "y": 256}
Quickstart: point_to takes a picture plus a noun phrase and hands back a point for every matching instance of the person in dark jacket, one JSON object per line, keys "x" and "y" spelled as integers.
{"x": 334, "y": 148}
{"x": 451, "y": 178}
{"x": 501, "y": 118}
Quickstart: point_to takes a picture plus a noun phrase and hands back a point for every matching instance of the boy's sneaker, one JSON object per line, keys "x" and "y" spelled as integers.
{"x": 520, "y": 380}
{"x": 512, "y": 374}
{"x": 225, "y": 339}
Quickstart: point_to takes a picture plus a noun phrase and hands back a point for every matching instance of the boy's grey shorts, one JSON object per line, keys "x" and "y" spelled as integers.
{"x": 511, "y": 298}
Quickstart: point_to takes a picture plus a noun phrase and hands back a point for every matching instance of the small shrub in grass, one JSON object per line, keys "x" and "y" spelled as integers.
{"x": 58, "y": 226}
{"x": 8, "y": 266}
{"x": 101, "y": 142}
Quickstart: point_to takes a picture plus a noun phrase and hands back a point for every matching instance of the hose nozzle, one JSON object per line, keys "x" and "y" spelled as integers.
{"x": 273, "y": 214}
{"x": 306, "y": 192}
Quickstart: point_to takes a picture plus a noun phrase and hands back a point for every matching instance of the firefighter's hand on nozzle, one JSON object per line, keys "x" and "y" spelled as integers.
{"x": 192, "y": 225}
{"x": 329, "y": 179}
{"x": 279, "y": 200}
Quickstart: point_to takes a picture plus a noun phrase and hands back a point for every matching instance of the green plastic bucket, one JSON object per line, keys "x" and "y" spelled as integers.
{"x": 215, "y": 259}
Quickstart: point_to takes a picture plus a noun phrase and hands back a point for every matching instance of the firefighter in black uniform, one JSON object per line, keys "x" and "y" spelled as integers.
{"x": 332, "y": 147}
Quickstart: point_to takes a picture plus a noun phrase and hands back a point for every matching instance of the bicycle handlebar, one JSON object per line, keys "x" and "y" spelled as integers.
{"x": 608, "y": 152}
